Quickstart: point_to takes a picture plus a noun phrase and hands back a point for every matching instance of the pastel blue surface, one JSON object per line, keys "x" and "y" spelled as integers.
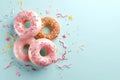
{"x": 95, "y": 24}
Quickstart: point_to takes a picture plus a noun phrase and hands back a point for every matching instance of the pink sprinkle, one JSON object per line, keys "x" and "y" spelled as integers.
{"x": 27, "y": 65}
{"x": 17, "y": 73}
{"x": 33, "y": 69}
{"x": 47, "y": 11}
{"x": 8, "y": 65}
{"x": 6, "y": 25}
{"x": 59, "y": 15}
{"x": 62, "y": 43}
{"x": 64, "y": 36}
{"x": 62, "y": 66}
{"x": 7, "y": 39}
{"x": 62, "y": 58}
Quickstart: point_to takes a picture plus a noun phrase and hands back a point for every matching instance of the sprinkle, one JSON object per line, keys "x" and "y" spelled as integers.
{"x": 9, "y": 46}
{"x": 62, "y": 43}
{"x": 70, "y": 17}
{"x": 31, "y": 68}
{"x": 64, "y": 36}
{"x": 61, "y": 59}
{"x": 62, "y": 66}
{"x": 6, "y": 25}
{"x": 20, "y": 4}
{"x": 67, "y": 24}
{"x": 12, "y": 12}
{"x": 27, "y": 65}
{"x": 8, "y": 65}
{"x": 7, "y": 39}
{"x": 47, "y": 11}
{"x": 60, "y": 15}
{"x": 12, "y": 36}
{"x": 80, "y": 48}
{"x": 17, "y": 73}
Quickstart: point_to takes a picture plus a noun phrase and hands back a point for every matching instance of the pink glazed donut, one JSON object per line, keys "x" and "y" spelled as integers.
{"x": 19, "y": 47}
{"x": 36, "y": 58}
{"x": 27, "y": 16}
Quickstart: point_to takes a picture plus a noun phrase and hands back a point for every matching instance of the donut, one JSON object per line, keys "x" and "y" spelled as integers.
{"x": 34, "y": 52}
{"x": 54, "y": 28}
{"x": 22, "y": 18}
{"x": 19, "y": 48}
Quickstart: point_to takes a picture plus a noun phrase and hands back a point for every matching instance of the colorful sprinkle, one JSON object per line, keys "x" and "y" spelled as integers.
{"x": 8, "y": 65}
{"x": 12, "y": 36}
{"x": 62, "y": 66}
{"x": 7, "y": 39}
{"x": 59, "y": 15}
{"x": 62, "y": 43}
{"x": 80, "y": 48}
{"x": 64, "y": 36}
{"x": 17, "y": 73}
{"x": 70, "y": 17}
{"x": 6, "y": 25}
{"x": 63, "y": 57}
{"x": 31, "y": 68}
{"x": 12, "y": 12}
{"x": 9, "y": 46}
{"x": 47, "y": 11}
{"x": 20, "y": 4}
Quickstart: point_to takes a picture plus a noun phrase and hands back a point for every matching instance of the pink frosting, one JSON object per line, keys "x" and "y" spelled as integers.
{"x": 19, "y": 46}
{"x": 35, "y": 56}
{"x": 35, "y": 23}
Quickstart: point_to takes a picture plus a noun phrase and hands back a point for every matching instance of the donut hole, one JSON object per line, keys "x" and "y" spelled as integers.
{"x": 27, "y": 24}
{"x": 43, "y": 52}
{"x": 25, "y": 48}
{"x": 46, "y": 29}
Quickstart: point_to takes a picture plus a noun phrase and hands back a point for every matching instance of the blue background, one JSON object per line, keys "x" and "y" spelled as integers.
{"x": 95, "y": 24}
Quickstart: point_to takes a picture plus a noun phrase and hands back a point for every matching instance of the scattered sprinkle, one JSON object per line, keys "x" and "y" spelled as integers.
{"x": 6, "y": 25}
{"x": 12, "y": 36}
{"x": 8, "y": 65}
{"x": 20, "y": 4}
{"x": 80, "y": 48}
{"x": 47, "y": 11}
{"x": 63, "y": 57}
{"x": 7, "y": 39}
{"x": 62, "y": 43}
{"x": 12, "y": 12}
{"x": 31, "y": 68}
{"x": 9, "y": 46}
{"x": 62, "y": 66}
{"x": 64, "y": 36}
{"x": 17, "y": 73}
{"x": 59, "y": 15}
{"x": 70, "y": 17}
{"x": 67, "y": 24}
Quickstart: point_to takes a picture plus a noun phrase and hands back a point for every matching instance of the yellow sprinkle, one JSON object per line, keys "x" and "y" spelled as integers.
{"x": 70, "y": 17}
{"x": 8, "y": 46}
{"x": 80, "y": 47}
{"x": 20, "y": 4}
